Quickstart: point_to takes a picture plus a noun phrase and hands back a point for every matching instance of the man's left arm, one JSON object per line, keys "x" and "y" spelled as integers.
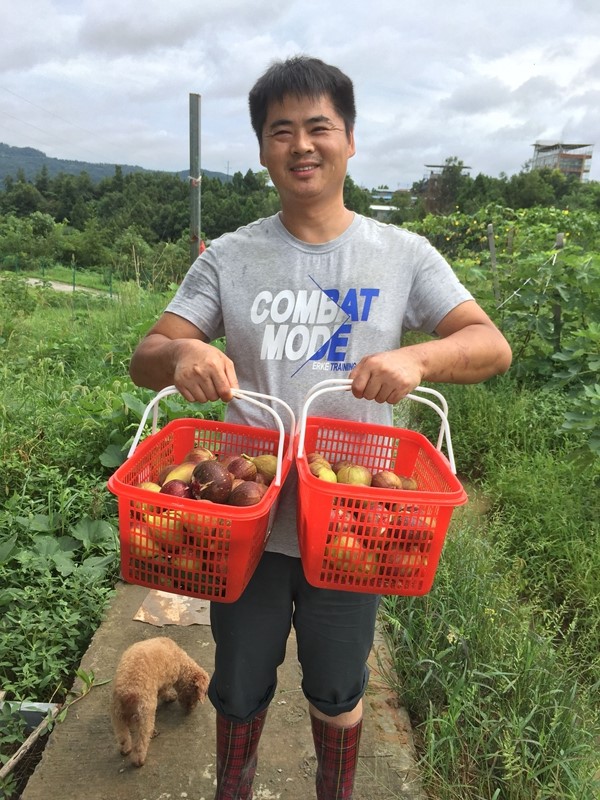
{"x": 469, "y": 349}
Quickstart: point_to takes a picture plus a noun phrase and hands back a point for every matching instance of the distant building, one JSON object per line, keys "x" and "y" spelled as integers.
{"x": 570, "y": 159}
{"x": 383, "y": 194}
{"x": 432, "y": 184}
{"x": 382, "y": 213}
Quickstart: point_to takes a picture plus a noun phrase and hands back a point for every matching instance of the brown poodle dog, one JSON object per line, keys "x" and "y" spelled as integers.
{"x": 148, "y": 672}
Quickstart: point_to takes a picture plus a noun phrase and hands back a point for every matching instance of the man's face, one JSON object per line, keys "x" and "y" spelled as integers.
{"x": 305, "y": 148}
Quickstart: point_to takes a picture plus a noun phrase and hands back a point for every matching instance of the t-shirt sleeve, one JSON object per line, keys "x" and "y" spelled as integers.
{"x": 435, "y": 289}
{"x": 198, "y": 297}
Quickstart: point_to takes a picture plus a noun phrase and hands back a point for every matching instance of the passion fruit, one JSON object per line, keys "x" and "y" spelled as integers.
{"x": 247, "y": 493}
{"x": 211, "y": 481}
{"x": 355, "y": 475}
{"x": 266, "y": 465}
{"x": 386, "y": 479}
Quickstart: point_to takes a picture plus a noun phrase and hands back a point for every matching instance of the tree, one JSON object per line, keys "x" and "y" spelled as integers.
{"x": 42, "y": 180}
{"x": 355, "y": 198}
{"x": 529, "y": 189}
{"x": 406, "y": 208}
{"x": 22, "y": 199}
{"x": 453, "y": 186}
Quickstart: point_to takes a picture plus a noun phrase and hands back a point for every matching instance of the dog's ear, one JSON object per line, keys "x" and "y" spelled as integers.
{"x": 193, "y": 688}
{"x": 202, "y": 681}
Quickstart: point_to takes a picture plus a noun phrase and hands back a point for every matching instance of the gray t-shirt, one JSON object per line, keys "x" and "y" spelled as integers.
{"x": 295, "y": 314}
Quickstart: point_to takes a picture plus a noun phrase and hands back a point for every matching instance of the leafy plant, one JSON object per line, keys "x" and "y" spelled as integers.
{"x": 541, "y": 285}
{"x": 496, "y": 709}
{"x": 12, "y": 735}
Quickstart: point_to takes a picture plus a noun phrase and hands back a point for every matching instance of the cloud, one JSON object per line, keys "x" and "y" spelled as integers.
{"x": 110, "y": 80}
{"x": 478, "y": 96}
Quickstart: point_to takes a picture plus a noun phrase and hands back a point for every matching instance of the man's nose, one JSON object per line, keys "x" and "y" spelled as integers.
{"x": 302, "y": 142}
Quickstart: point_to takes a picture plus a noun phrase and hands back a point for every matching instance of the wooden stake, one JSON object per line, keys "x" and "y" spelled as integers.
{"x": 492, "y": 246}
{"x": 28, "y": 744}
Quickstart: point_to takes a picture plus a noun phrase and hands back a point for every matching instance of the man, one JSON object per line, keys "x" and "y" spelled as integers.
{"x": 312, "y": 291}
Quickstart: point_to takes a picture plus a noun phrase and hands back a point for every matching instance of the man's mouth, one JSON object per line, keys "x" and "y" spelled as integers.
{"x": 304, "y": 168}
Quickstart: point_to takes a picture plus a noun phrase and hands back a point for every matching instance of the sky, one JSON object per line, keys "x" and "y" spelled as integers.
{"x": 479, "y": 80}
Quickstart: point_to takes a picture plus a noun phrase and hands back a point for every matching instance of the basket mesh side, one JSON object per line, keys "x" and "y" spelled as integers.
{"x": 374, "y": 451}
{"x": 381, "y": 547}
{"x": 233, "y": 443}
{"x": 147, "y": 466}
{"x": 428, "y": 475}
{"x": 191, "y": 547}
{"x": 385, "y": 541}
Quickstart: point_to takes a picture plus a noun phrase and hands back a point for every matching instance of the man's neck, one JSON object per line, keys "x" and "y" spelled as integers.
{"x": 316, "y": 225}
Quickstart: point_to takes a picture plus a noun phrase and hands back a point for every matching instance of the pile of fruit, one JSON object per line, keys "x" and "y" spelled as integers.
{"x": 369, "y": 537}
{"x": 238, "y": 480}
{"x": 187, "y": 541}
{"x": 347, "y": 471}
{"x": 378, "y": 538}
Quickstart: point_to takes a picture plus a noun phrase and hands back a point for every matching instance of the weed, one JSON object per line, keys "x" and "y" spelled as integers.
{"x": 486, "y": 683}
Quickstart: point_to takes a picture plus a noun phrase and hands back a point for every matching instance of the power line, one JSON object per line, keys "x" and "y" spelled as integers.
{"x": 47, "y": 111}
{"x": 29, "y": 124}
{"x": 95, "y": 154}
{"x": 53, "y": 136}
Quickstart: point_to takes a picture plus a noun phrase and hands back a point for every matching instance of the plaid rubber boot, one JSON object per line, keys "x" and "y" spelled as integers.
{"x": 337, "y": 757}
{"x": 237, "y": 743}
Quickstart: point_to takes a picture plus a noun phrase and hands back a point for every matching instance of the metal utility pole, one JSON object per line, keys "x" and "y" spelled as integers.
{"x": 195, "y": 179}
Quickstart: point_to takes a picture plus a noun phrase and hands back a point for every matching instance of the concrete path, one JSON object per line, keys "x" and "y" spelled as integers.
{"x": 58, "y": 286}
{"x": 82, "y": 761}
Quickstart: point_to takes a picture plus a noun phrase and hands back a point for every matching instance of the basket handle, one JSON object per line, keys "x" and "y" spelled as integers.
{"x": 239, "y": 394}
{"x": 344, "y": 384}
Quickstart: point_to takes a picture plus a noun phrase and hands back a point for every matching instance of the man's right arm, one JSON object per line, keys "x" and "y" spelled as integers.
{"x": 176, "y": 352}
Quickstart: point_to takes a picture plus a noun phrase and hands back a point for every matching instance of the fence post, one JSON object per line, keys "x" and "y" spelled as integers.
{"x": 492, "y": 246}
{"x": 557, "y": 307}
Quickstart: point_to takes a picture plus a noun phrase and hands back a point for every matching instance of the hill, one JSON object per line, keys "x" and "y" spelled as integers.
{"x": 31, "y": 161}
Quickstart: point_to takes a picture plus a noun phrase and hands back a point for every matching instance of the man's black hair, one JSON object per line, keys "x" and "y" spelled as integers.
{"x": 301, "y": 76}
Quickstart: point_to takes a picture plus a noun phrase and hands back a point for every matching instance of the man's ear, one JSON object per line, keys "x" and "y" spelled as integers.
{"x": 351, "y": 144}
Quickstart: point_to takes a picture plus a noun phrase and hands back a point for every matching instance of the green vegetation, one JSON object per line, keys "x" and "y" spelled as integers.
{"x": 67, "y": 411}
{"x": 453, "y": 189}
{"x": 499, "y": 664}
{"x": 540, "y": 283}
{"x": 129, "y": 227}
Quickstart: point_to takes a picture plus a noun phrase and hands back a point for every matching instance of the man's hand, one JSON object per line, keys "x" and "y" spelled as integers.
{"x": 202, "y": 372}
{"x": 176, "y": 352}
{"x": 469, "y": 349}
{"x": 387, "y": 377}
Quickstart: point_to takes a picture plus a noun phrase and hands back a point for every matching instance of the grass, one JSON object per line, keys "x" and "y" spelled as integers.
{"x": 495, "y": 701}
{"x": 63, "y": 400}
{"x": 498, "y": 666}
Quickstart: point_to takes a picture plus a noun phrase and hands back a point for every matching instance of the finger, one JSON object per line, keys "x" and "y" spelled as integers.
{"x": 184, "y": 392}
{"x": 193, "y": 393}
{"x": 383, "y": 395}
{"x": 231, "y": 376}
{"x": 373, "y": 389}
{"x": 221, "y": 388}
{"x": 359, "y": 383}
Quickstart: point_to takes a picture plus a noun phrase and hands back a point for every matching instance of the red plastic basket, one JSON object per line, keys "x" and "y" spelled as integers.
{"x": 374, "y": 540}
{"x": 194, "y": 547}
